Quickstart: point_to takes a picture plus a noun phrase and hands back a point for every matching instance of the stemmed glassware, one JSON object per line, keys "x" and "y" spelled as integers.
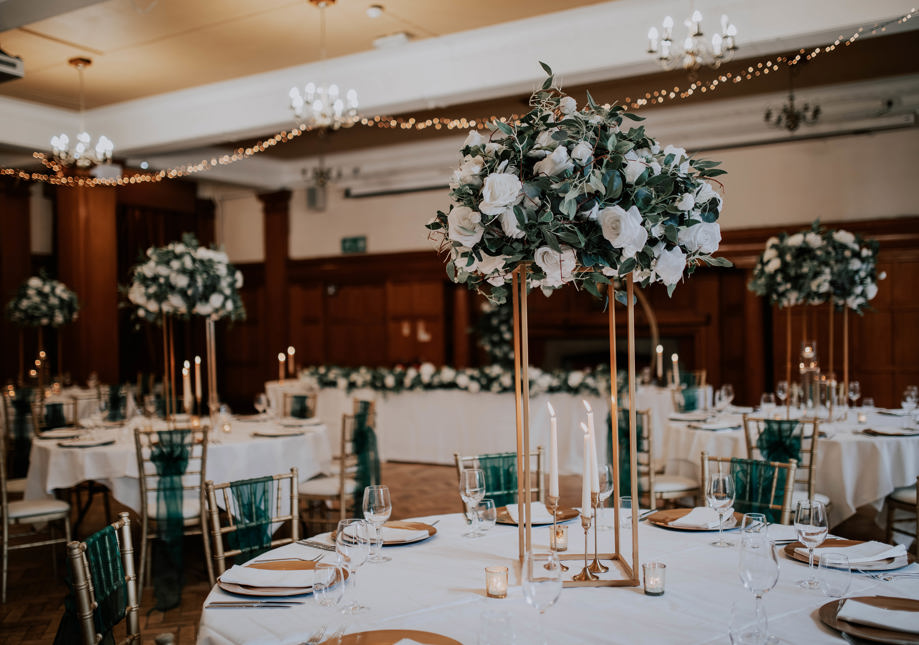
{"x": 542, "y": 582}
{"x": 767, "y": 404}
{"x": 352, "y": 544}
{"x": 606, "y": 489}
{"x": 719, "y": 492}
{"x": 781, "y": 391}
{"x": 377, "y": 509}
{"x": 725, "y": 396}
{"x": 910, "y": 400}
{"x": 855, "y": 391}
{"x": 811, "y": 527}
{"x": 472, "y": 490}
{"x": 261, "y": 404}
{"x": 759, "y": 571}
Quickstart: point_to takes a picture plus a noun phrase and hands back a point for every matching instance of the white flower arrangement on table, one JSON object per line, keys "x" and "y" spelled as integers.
{"x": 494, "y": 332}
{"x": 184, "y": 279}
{"x": 43, "y": 302}
{"x": 854, "y": 269}
{"x": 492, "y": 378}
{"x": 580, "y": 198}
{"x": 794, "y": 269}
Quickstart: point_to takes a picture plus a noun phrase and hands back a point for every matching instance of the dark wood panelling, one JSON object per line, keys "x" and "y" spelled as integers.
{"x": 276, "y": 208}
{"x": 15, "y": 267}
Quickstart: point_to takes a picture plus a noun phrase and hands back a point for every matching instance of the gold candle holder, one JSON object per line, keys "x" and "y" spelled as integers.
{"x": 586, "y": 573}
{"x": 596, "y": 566}
{"x": 496, "y": 582}
{"x": 552, "y": 505}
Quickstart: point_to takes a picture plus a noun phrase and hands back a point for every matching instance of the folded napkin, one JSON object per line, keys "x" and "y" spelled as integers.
{"x": 701, "y": 517}
{"x": 896, "y": 620}
{"x": 689, "y": 416}
{"x": 393, "y": 534}
{"x": 539, "y": 514}
{"x": 860, "y": 553}
{"x": 726, "y": 424}
{"x": 892, "y": 432}
{"x": 252, "y": 577}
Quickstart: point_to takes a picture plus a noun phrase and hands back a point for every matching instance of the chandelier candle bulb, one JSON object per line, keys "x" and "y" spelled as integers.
{"x": 282, "y": 358}
{"x": 594, "y": 470}
{"x": 553, "y": 452}
{"x": 197, "y": 378}
{"x": 660, "y": 362}
{"x": 676, "y": 369}
{"x": 586, "y": 508}
{"x": 291, "y": 368}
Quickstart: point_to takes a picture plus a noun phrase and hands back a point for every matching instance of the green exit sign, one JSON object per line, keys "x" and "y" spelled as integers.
{"x": 357, "y": 244}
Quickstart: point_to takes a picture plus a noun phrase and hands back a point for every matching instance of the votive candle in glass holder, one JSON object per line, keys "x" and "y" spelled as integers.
{"x": 558, "y": 538}
{"x": 862, "y": 417}
{"x": 496, "y": 582}
{"x": 654, "y": 575}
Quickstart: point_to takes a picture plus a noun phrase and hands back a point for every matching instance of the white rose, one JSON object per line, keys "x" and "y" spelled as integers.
{"x": 567, "y": 105}
{"x": 706, "y": 192}
{"x": 34, "y": 282}
{"x": 871, "y": 290}
{"x": 491, "y": 263}
{"x": 670, "y": 265}
{"x": 844, "y": 237}
{"x": 634, "y": 166}
{"x": 474, "y": 139}
{"x": 468, "y": 172}
{"x": 555, "y": 164}
{"x": 582, "y": 153}
{"x": 678, "y": 154}
{"x": 855, "y": 264}
{"x": 203, "y": 309}
{"x": 464, "y": 225}
{"x": 773, "y": 265}
{"x": 500, "y": 191}
{"x": 180, "y": 280}
{"x": 770, "y": 253}
{"x": 686, "y": 202}
{"x": 813, "y": 240}
{"x": 474, "y": 386}
{"x": 575, "y": 379}
{"x": 493, "y": 148}
{"x": 623, "y": 229}
{"x": 703, "y": 237}
{"x": 509, "y": 224}
{"x": 216, "y": 300}
{"x": 795, "y": 240}
{"x": 426, "y": 371}
{"x": 559, "y": 267}
{"x": 462, "y": 381}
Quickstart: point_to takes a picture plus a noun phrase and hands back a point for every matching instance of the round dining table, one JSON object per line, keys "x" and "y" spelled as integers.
{"x": 437, "y": 586}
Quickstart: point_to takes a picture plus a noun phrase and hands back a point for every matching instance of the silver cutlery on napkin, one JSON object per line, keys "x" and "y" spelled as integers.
{"x": 316, "y": 544}
{"x": 260, "y": 604}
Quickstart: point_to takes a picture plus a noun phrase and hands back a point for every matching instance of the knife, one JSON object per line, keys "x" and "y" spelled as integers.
{"x": 316, "y": 545}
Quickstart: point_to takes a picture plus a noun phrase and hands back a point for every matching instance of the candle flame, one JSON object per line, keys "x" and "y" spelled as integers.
{"x": 291, "y": 350}
{"x": 587, "y": 406}
{"x": 197, "y": 360}
{"x": 281, "y": 356}
{"x": 551, "y": 409}
{"x": 186, "y": 365}
{"x": 185, "y": 370}
{"x": 660, "y": 349}
{"x": 585, "y": 428}
{"x": 675, "y": 357}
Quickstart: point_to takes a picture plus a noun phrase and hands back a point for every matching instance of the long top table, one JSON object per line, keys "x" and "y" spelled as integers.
{"x": 438, "y": 586}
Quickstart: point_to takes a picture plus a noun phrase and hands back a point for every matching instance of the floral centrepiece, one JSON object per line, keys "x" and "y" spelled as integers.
{"x": 580, "y": 198}
{"x": 184, "y": 279}
{"x": 43, "y": 302}
{"x": 854, "y": 274}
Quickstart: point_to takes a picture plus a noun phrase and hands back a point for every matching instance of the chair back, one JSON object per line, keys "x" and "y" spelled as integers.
{"x": 783, "y": 440}
{"x": 300, "y": 405}
{"x": 690, "y": 398}
{"x": 20, "y": 428}
{"x": 501, "y": 474}
{"x": 252, "y": 510}
{"x": 103, "y": 591}
{"x": 759, "y": 486}
{"x": 644, "y": 453}
{"x": 56, "y": 412}
{"x": 172, "y": 465}
{"x": 693, "y": 378}
{"x": 359, "y": 453}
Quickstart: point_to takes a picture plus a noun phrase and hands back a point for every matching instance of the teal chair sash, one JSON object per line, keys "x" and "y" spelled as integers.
{"x": 109, "y": 590}
{"x": 753, "y": 490}
{"x": 22, "y": 432}
{"x": 500, "y": 471}
{"x": 251, "y": 500}
{"x": 692, "y": 398}
{"x": 170, "y": 457}
{"x": 299, "y": 408}
{"x": 54, "y": 416}
{"x": 780, "y": 440}
{"x": 364, "y": 446}
{"x": 117, "y": 402}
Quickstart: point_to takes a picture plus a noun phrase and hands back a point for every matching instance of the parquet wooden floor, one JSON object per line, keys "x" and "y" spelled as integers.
{"x": 35, "y": 592}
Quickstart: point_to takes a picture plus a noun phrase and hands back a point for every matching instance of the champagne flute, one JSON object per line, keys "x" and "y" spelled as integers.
{"x": 811, "y": 527}
{"x": 542, "y": 582}
{"x": 759, "y": 571}
{"x": 855, "y": 391}
{"x": 719, "y": 492}
{"x": 472, "y": 490}
{"x": 377, "y": 509}
{"x": 606, "y": 489}
{"x": 352, "y": 544}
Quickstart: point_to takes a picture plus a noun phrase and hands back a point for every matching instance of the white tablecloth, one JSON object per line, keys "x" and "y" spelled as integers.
{"x": 438, "y": 586}
{"x": 853, "y": 469}
{"x": 238, "y": 455}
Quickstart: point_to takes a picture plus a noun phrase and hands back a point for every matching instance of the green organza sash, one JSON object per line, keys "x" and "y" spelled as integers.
{"x": 22, "y": 433}
{"x": 692, "y": 398}
{"x": 500, "y": 471}
{"x": 753, "y": 492}
{"x": 170, "y": 457}
{"x": 109, "y": 588}
{"x": 54, "y": 416}
{"x": 117, "y": 401}
{"x": 780, "y": 440}
{"x": 364, "y": 446}
{"x": 251, "y": 503}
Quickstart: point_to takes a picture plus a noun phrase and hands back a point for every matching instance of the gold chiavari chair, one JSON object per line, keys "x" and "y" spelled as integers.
{"x": 760, "y": 486}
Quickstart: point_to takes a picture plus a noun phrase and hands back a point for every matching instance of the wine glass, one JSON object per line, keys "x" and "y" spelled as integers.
{"x": 719, "y": 492}
{"x": 487, "y": 515}
{"x": 753, "y": 524}
{"x": 542, "y": 582}
{"x": 910, "y": 399}
{"x": 377, "y": 509}
{"x": 352, "y": 544}
{"x": 759, "y": 571}
{"x": 606, "y": 489}
{"x": 811, "y": 527}
{"x": 767, "y": 404}
{"x": 261, "y": 403}
{"x": 726, "y": 393}
{"x": 472, "y": 490}
{"x": 781, "y": 391}
{"x": 326, "y": 588}
{"x": 855, "y": 391}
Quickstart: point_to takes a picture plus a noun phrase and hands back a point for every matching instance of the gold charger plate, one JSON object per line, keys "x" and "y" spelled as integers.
{"x": 561, "y": 515}
{"x": 392, "y": 636}
{"x": 409, "y": 526}
{"x": 663, "y": 519}
{"x": 277, "y": 565}
{"x": 828, "y": 613}
{"x": 886, "y": 564}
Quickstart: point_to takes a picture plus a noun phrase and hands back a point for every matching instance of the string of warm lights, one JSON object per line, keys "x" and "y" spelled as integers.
{"x": 652, "y": 97}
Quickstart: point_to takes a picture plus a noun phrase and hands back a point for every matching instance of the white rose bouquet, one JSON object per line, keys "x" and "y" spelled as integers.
{"x": 580, "y": 198}
{"x": 854, "y": 269}
{"x": 794, "y": 269}
{"x": 43, "y": 302}
{"x": 184, "y": 279}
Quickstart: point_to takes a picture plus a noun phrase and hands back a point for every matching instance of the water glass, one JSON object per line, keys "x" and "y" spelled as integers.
{"x": 377, "y": 508}
{"x": 767, "y": 404}
{"x": 327, "y": 589}
{"x": 834, "y": 575}
{"x": 753, "y": 524}
{"x": 542, "y": 579}
{"x": 472, "y": 490}
{"x": 719, "y": 493}
{"x": 868, "y": 403}
{"x": 811, "y": 527}
{"x": 487, "y": 515}
{"x": 352, "y": 543}
{"x": 625, "y": 511}
{"x": 758, "y": 568}
{"x": 606, "y": 489}
{"x": 855, "y": 391}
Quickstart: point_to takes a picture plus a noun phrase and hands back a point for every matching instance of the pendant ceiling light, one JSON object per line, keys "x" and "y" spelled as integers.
{"x": 80, "y": 150}
{"x": 694, "y": 51}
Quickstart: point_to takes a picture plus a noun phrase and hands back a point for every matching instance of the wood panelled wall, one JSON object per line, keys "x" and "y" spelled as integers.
{"x": 400, "y": 308}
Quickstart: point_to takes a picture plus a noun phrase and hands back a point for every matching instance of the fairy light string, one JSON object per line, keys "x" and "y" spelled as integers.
{"x": 655, "y": 97}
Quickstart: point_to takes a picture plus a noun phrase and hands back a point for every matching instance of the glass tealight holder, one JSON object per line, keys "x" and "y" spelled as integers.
{"x": 654, "y": 578}
{"x": 496, "y": 582}
{"x": 558, "y": 538}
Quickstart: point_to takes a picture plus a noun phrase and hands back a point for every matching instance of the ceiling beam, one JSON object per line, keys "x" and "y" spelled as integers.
{"x": 16, "y": 13}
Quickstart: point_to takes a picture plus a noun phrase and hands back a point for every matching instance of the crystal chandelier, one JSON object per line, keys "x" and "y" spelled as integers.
{"x": 790, "y": 116}
{"x": 321, "y": 106}
{"x": 696, "y": 51}
{"x": 81, "y": 151}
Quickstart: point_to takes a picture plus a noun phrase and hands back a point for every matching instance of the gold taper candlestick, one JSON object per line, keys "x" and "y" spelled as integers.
{"x": 553, "y": 539}
{"x": 596, "y": 566}
{"x": 585, "y": 572}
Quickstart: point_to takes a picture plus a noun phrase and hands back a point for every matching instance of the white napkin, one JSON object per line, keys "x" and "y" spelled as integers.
{"x": 393, "y": 534}
{"x": 724, "y": 424}
{"x": 539, "y": 514}
{"x": 701, "y": 517}
{"x": 689, "y": 416}
{"x": 253, "y": 577}
{"x": 860, "y": 553}
{"x": 781, "y": 532}
{"x": 895, "y": 620}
